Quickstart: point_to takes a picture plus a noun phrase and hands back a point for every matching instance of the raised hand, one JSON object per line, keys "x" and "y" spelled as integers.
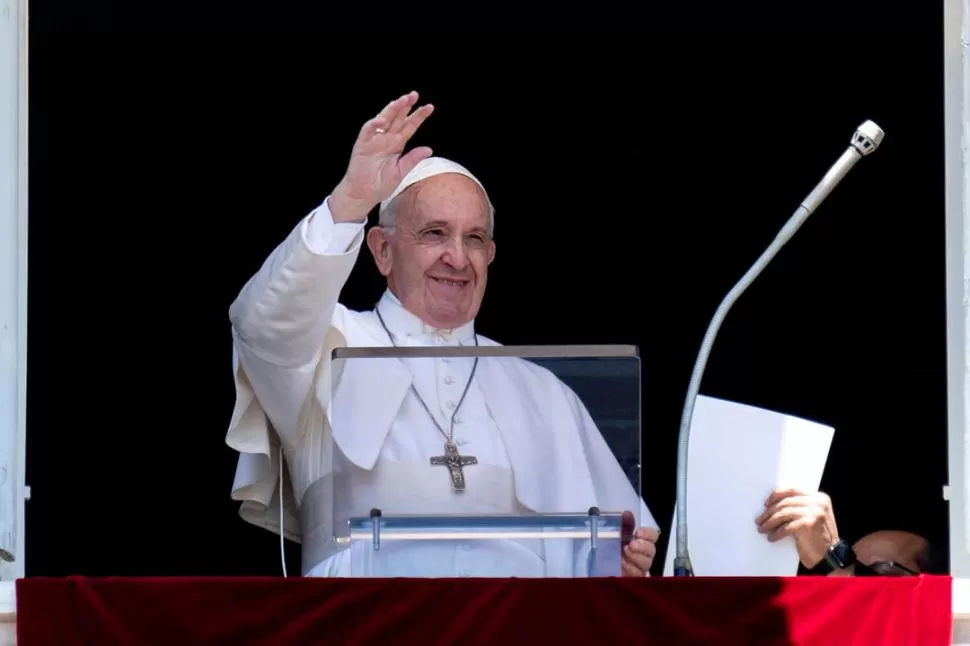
{"x": 377, "y": 164}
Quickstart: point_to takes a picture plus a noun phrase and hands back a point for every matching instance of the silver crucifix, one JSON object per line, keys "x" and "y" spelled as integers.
{"x": 456, "y": 464}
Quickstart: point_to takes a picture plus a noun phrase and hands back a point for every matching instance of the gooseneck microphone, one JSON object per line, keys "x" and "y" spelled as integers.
{"x": 864, "y": 142}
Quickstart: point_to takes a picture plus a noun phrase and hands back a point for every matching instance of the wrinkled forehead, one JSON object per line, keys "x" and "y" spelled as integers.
{"x": 451, "y": 199}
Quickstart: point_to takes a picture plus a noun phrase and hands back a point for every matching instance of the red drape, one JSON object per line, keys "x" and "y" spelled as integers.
{"x": 868, "y": 611}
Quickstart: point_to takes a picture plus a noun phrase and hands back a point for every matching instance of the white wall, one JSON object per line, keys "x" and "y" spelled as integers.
{"x": 13, "y": 283}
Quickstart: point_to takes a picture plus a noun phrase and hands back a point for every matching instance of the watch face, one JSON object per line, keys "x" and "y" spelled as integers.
{"x": 843, "y": 554}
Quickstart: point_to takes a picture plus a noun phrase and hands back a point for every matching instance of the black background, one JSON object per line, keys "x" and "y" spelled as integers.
{"x": 636, "y": 176}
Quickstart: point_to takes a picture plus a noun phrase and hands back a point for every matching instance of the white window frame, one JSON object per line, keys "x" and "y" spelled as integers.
{"x": 13, "y": 284}
{"x": 956, "y": 64}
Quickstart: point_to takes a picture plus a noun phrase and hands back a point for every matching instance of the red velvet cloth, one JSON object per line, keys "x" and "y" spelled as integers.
{"x": 183, "y": 611}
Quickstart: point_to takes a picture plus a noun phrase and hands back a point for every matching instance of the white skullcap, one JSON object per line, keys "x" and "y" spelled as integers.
{"x": 429, "y": 168}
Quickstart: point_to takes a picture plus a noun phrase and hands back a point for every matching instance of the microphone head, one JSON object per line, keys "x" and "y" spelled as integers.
{"x": 867, "y": 138}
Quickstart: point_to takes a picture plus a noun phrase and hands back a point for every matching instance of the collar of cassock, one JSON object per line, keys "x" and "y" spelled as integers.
{"x": 408, "y": 329}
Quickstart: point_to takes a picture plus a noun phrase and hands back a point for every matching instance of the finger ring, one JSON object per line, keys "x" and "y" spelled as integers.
{"x": 381, "y": 131}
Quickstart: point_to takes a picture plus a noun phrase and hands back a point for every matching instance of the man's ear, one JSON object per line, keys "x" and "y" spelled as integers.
{"x": 380, "y": 248}
{"x": 491, "y": 251}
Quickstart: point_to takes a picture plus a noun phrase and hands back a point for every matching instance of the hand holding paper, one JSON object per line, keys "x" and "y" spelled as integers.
{"x": 806, "y": 517}
{"x": 738, "y": 456}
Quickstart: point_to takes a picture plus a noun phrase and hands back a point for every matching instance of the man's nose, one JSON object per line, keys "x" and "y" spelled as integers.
{"x": 456, "y": 255}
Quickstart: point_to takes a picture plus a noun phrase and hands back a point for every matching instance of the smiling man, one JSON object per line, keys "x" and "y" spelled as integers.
{"x": 523, "y": 438}
{"x": 434, "y": 243}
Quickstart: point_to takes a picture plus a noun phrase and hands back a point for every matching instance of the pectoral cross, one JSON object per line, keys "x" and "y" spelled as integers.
{"x": 456, "y": 464}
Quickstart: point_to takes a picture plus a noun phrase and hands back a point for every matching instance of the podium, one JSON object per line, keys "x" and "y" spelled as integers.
{"x": 501, "y": 424}
{"x": 534, "y": 574}
{"x": 404, "y": 546}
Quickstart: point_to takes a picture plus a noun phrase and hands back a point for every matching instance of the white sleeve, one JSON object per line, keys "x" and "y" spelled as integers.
{"x": 282, "y": 315}
{"x": 282, "y": 323}
{"x": 324, "y": 236}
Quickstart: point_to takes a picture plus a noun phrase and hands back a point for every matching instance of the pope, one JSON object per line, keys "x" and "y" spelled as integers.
{"x": 458, "y": 435}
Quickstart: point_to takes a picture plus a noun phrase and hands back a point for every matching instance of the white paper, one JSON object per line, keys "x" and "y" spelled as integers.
{"x": 737, "y": 456}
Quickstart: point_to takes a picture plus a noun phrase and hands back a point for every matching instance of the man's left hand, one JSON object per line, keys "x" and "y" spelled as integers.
{"x": 638, "y": 554}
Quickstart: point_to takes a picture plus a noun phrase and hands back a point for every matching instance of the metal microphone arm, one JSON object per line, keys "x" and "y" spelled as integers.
{"x": 864, "y": 142}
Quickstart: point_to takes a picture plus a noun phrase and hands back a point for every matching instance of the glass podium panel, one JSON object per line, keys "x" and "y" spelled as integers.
{"x": 494, "y": 461}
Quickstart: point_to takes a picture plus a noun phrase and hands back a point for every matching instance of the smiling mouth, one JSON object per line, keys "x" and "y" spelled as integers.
{"x": 449, "y": 282}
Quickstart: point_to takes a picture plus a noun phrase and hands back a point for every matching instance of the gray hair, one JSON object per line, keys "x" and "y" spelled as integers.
{"x": 387, "y": 217}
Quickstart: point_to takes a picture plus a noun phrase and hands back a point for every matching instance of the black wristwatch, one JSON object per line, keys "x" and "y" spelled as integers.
{"x": 839, "y": 556}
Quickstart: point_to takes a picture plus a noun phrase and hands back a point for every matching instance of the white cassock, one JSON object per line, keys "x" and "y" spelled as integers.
{"x": 286, "y": 322}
